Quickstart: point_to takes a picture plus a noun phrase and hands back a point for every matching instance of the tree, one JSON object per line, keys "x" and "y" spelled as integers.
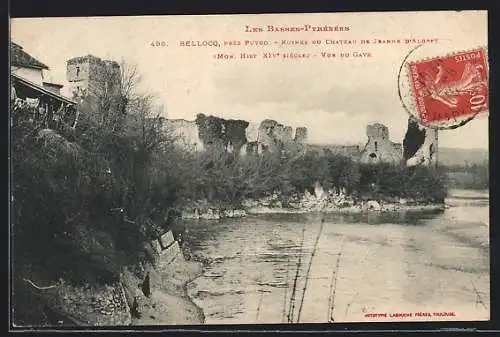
{"x": 414, "y": 138}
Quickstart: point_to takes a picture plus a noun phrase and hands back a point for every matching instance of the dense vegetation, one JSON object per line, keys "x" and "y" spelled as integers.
{"x": 224, "y": 177}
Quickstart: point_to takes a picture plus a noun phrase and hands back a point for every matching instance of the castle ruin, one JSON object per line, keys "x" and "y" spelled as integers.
{"x": 184, "y": 134}
{"x": 270, "y": 136}
{"x": 90, "y": 75}
{"x": 236, "y": 136}
{"x": 379, "y": 147}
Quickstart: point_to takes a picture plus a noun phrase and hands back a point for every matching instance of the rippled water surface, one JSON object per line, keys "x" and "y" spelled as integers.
{"x": 260, "y": 270}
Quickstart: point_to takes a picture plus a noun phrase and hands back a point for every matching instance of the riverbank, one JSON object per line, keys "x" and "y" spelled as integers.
{"x": 161, "y": 297}
{"x": 308, "y": 203}
{"x": 153, "y": 294}
{"x": 346, "y": 210}
{"x": 169, "y": 303}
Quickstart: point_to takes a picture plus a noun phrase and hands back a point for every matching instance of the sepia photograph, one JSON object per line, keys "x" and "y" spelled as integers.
{"x": 181, "y": 170}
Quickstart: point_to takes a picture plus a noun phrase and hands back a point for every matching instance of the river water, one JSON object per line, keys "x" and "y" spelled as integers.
{"x": 347, "y": 268}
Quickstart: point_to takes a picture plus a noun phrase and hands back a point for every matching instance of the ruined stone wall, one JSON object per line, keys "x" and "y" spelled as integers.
{"x": 420, "y": 145}
{"x": 274, "y": 136}
{"x": 238, "y": 136}
{"x": 242, "y": 137}
{"x": 283, "y": 133}
{"x": 212, "y": 131}
{"x": 379, "y": 147}
{"x": 252, "y": 132}
{"x": 398, "y": 147}
{"x": 218, "y": 132}
{"x": 185, "y": 134}
{"x": 269, "y": 133}
{"x": 353, "y": 151}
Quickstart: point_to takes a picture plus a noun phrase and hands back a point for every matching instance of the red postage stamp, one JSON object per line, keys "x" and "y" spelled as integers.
{"x": 450, "y": 87}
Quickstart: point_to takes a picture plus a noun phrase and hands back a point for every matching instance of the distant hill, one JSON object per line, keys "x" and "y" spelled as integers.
{"x": 452, "y": 156}
{"x": 446, "y": 155}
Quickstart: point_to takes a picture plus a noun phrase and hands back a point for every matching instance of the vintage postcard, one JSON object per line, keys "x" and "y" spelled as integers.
{"x": 249, "y": 169}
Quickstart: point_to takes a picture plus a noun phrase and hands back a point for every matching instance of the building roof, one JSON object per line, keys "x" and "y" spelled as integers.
{"x": 40, "y": 89}
{"x": 18, "y": 57}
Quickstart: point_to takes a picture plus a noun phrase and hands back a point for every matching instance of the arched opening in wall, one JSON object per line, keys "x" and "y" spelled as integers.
{"x": 376, "y": 146}
{"x": 373, "y": 155}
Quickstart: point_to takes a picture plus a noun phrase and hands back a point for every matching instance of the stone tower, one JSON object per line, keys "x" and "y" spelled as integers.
{"x": 377, "y": 131}
{"x": 88, "y": 75}
{"x": 301, "y": 135}
{"x": 379, "y": 147}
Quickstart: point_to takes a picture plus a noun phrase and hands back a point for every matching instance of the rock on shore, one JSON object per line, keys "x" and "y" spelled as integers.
{"x": 205, "y": 211}
{"x": 331, "y": 203}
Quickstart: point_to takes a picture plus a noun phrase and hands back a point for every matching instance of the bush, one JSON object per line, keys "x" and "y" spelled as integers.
{"x": 224, "y": 177}
{"x": 388, "y": 181}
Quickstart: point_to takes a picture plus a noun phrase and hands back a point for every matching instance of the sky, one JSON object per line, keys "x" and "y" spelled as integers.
{"x": 334, "y": 98}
